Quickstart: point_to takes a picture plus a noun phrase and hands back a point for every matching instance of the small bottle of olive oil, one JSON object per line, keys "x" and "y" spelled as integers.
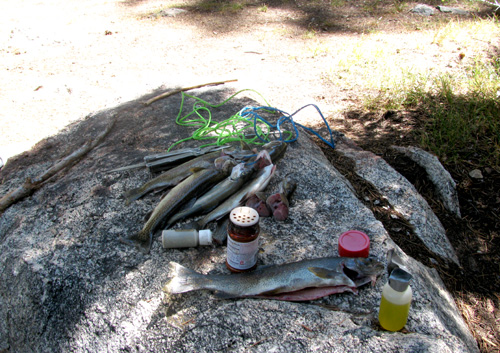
{"x": 396, "y": 300}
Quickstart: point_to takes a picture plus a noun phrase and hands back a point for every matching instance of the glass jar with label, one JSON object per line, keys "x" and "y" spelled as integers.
{"x": 243, "y": 239}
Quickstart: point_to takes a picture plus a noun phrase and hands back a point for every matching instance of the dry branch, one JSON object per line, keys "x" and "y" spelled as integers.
{"x": 175, "y": 91}
{"x": 30, "y": 185}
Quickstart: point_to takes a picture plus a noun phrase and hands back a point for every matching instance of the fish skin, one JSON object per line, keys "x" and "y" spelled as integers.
{"x": 172, "y": 177}
{"x": 276, "y": 281}
{"x": 276, "y": 149}
{"x": 255, "y": 185}
{"x": 220, "y": 192}
{"x": 241, "y": 173}
{"x": 180, "y": 194}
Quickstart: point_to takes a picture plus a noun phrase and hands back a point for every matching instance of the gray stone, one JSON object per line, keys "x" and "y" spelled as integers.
{"x": 68, "y": 284}
{"x": 172, "y": 12}
{"x": 424, "y": 10}
{"x": 402, "y": 196}
{"x": 476, "y": 174}
{"x": 452, "y": 10}
{"x": 443, "y": 182}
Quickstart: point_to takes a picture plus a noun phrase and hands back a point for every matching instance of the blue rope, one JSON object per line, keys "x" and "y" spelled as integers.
{"x": 251, "y": 113}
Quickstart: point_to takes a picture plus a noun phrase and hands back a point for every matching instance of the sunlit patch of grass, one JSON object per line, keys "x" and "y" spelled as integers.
{"x": 263, "y": 8}
{"x": 221, "y": 6}
{"x": 465, "y": 32}
{"x": 337, "y": 3}
{"x": 309, "y": 34}
{"x": 462, "y": 105}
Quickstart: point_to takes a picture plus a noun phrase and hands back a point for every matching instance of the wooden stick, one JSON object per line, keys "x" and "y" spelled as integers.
{"x": 30, "y": 185}
{"x": 179, "y": 90}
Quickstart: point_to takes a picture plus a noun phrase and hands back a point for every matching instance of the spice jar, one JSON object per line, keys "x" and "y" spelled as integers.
{"x": 243, "y": 239}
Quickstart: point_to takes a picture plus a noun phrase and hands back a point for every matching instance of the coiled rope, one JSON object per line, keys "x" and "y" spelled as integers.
{"x": 237, "y": 127}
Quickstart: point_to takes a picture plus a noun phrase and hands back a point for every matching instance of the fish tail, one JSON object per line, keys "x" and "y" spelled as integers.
{"x": 183, "y": 279}
{"x": 132, "y": 195}
{"x": 139, "y": 240}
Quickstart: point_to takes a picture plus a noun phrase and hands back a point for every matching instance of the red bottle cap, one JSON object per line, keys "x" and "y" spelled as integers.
{"x": 354, "y": 243}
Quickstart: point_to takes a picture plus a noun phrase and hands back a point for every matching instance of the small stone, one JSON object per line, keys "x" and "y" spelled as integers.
{"x": 424, "y": 10}
{"x": 476, "y": 174}
{"x": 452, "y": 10}
{"x": 172, "y": 12}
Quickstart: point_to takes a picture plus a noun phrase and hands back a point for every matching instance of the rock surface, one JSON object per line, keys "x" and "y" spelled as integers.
{"x": 67, "y": 284}
{"x": 424, "y": 10}
{"x": 402, "y": 196}
{"x": 440, "y": 177}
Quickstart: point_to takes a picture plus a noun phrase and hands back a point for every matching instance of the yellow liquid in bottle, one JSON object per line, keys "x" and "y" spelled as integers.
{"x": 393, "y": 317}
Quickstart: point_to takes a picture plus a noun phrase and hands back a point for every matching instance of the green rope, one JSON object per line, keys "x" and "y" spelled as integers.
{"x": 223, "y": 132}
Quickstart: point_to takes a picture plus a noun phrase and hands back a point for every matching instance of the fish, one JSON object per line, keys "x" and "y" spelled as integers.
{"x": 296, "y": 281}
{"x": 279, "y": 203}
{"x": 258, "y": 183}
{"x": 172, "y": 177}
{"x": 258, "y": 203}
{"x": 181, "y": 193}
{"x": 275, "y": 148}
{"x": 239, "y": 175}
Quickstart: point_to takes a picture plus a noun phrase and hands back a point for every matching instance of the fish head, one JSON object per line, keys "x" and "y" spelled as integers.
{"x": 224, "y": 164}
{"x": 242, "y": 171}
{"x": 276, "y": 149}
{"x": 362, "y": 270}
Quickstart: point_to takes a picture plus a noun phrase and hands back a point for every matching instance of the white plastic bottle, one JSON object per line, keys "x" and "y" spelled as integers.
{"x": 396, "y": 300}
{"x": 186, "y": 238}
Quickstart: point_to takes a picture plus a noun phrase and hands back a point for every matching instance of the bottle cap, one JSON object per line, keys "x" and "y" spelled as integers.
{"x": 205, "y": 237}
{"x": 399, "y": 280}
{"x": 354, "y": 243}
{"x": 244, "y": 216}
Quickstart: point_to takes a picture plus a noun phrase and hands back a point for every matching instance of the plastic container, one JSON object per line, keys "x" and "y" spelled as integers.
{"x": 242, "y": 239}
{"x": 396, "y": 300}
{"x": 354, "y": 243}
{"x": 186, "y": 238}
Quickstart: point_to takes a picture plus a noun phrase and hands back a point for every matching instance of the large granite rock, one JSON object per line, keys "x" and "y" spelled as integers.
{"x": 68, "y": 284}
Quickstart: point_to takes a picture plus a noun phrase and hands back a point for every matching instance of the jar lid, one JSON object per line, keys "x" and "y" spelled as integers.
{"x": 354, "y": 243}
{"x": 244, "y": 216}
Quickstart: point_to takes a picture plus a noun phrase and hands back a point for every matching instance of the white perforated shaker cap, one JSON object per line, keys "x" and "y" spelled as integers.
{"x": 244, "y": 216}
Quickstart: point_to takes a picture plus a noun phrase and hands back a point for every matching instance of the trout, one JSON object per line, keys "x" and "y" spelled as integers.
{"x": 239, "y": 175}
{"x": 181, "y": 193}
{"x": 297, "y": 281}
{"x": 173, "y": 176}
{"x": 257, "y": 184}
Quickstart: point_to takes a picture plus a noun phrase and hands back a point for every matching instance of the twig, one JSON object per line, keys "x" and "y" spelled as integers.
{"x": 30, "y": 185}
{"x": 175, "y": 91}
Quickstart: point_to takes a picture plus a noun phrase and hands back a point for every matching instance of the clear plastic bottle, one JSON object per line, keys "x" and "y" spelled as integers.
{"x": 186, "y": 238}
{"x": 243, "y": 239}
{"x": 396, "y": 300}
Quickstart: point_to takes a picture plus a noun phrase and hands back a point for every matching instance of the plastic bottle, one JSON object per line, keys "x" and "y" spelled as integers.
{"x": 186, "y": 238}
{"x": 243, "y": 239}
{"x": 396, "y": 300}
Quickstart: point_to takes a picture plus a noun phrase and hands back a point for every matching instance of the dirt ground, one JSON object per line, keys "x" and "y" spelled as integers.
{"x": 62, "y": 60}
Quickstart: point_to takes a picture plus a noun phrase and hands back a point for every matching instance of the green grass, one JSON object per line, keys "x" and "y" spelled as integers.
{"x": 461, "y": 101}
